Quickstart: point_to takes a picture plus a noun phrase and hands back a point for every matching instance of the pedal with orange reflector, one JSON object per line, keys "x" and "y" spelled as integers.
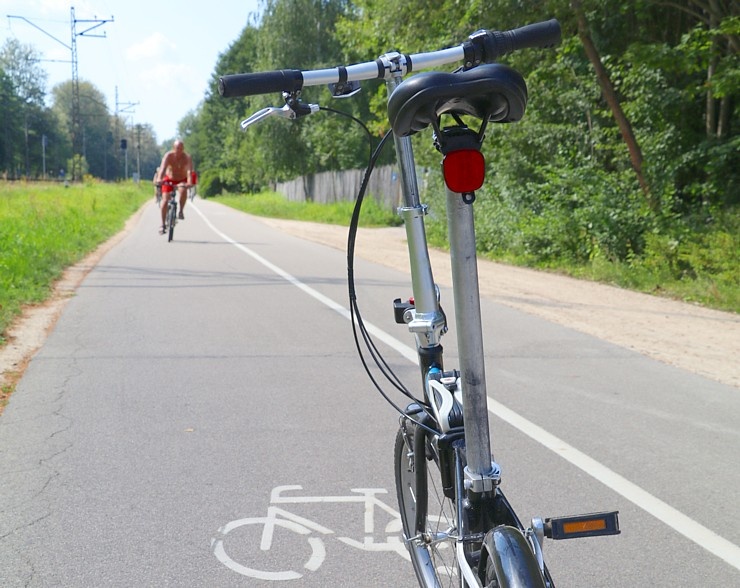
{"x": 589, "y": 525}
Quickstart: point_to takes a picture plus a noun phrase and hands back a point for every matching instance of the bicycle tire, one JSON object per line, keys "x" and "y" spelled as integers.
{"x": 172, "y": 219}
{"x": 435, "y": 561}
{"x": 509, "y": 560}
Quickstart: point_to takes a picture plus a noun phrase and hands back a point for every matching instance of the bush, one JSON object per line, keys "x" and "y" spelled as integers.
{"x": 209, "y": 184}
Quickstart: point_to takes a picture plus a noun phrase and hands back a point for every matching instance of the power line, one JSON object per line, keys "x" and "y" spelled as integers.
{"x": 93, "y": 24}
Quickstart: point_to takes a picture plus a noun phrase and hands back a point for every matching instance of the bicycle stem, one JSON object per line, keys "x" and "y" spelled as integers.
{"x": 428, "y": 323}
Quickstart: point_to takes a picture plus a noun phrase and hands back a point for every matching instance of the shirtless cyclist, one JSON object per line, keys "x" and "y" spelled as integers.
{"x": 180, "y": 164}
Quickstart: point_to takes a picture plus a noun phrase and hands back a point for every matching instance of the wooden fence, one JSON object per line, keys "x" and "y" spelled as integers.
{"x": 338, "y": 186}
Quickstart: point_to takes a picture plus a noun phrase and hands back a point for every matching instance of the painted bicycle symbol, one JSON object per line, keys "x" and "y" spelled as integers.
{"x": 280, "y": 520}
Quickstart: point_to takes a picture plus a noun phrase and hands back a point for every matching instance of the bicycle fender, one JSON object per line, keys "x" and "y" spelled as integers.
{"x": 512, "y": 558}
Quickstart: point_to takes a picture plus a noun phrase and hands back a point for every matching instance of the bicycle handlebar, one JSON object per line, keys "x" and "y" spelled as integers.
{"x": 541, "y": 35}
{"x": 481, "y": 47}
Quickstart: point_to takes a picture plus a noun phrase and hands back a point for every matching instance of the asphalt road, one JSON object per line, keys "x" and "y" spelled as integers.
{"x": 199, "y": 398}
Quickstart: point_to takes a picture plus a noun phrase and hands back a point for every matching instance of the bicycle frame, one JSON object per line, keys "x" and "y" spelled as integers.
{"x": 428, "y": 322}
{"x": 484, "y": 530}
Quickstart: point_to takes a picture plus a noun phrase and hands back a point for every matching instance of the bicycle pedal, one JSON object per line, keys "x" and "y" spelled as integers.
{"x": 588, "y": 525}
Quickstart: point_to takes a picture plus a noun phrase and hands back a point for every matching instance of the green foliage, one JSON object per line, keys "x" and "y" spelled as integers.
{"x": 562, "y": 189}
{"x": 78, "y": 167}
{"x": 20, "y": 64}
{"x": 269, "y": 204}
{"x": 696, "y": 261}
{"x": 44, "y": 228}
{"x": 36, "y": 139}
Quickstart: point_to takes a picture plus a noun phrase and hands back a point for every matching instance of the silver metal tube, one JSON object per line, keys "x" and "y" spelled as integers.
{"x": 436, "y": 58}
{"x": 369, "y": 69}
{"x": 357, "y": 72}
{"x": 469, "y": 334}
{"x": 422, "y": 280}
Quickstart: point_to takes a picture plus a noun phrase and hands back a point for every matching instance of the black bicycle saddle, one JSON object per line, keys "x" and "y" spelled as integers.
{"x": 491, "y": 92}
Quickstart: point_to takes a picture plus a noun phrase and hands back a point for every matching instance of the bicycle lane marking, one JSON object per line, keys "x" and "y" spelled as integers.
{"x": 686, "y": 526}
{"x": 292, "y": 523}
{"x": 366, "y": 496}
{"x": 304, "y": 526}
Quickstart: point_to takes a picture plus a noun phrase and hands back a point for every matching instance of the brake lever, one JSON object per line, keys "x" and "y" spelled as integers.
{"x": 261, "y": 115}
{"x": 298, "y": 109}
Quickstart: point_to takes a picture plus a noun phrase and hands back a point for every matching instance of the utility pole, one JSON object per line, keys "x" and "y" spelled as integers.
{"x": 76, "y": 126}
{"x": 124, "y": 108}
{"x": 138, "y": 151}
{"x": 44, "y": 142}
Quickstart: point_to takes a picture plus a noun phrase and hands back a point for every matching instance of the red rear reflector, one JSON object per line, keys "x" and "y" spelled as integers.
{"x": 464, "y": 170}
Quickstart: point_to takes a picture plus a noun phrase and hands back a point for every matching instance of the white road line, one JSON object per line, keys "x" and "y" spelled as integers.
{"x": 689, "y": 528}
{"x": 675, "y": 519}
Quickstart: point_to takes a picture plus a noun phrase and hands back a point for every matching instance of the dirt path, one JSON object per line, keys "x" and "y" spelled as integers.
{"x": 700, "y": 340}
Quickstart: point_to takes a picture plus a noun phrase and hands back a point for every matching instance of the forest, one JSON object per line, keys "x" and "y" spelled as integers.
{"x": 628, "y": 153}
{"x": 38, "y": 137}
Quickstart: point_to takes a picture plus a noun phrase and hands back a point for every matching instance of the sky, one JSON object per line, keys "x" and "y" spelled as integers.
{"x": 159, "y": 54}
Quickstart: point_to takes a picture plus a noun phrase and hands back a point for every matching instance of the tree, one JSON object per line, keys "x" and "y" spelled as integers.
{"x": 12, "y": 132}
{"x": 27, "y": 81}
{"x": 610, "y": 95}
{"x": 620, "y": 107}
{"x": 719, "y": 21}
{"x": 292, "y": 34}
{"x": 95, "y": 124}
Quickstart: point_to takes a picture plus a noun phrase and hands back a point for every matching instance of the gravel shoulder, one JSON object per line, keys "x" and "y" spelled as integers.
{"x": 697, "y": 339}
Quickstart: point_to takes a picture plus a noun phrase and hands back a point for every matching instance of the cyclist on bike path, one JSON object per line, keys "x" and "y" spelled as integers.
{"x": 157, "y": 185}
{"x": 181, "y": 165}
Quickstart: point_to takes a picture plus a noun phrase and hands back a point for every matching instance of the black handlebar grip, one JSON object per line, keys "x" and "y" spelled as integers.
{"x": 542, "y": 34}
{"x": 268, "y": 82}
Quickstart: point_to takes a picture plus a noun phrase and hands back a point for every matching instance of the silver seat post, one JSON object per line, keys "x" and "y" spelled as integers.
{"x": 481, "y": 473}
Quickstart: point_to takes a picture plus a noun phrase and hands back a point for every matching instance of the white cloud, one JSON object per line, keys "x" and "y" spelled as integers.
{"x": 176, "y": 78}
{"x": 154, "y": 46}
{"x": 163, "y": 74}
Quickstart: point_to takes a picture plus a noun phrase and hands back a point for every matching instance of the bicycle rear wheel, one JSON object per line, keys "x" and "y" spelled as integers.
{"x": 428, "y": 513}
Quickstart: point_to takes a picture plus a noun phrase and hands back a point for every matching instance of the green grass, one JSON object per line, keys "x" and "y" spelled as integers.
{"x": 693, "y": 262}
{"x": 702, "y": 267}
{"x": 45, "y": 228}
{"x": 269, "y": 204}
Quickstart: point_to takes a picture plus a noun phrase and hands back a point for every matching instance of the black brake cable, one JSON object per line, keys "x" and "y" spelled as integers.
{"x": 354, "y": 308}
{"x": 355, "y": 315}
